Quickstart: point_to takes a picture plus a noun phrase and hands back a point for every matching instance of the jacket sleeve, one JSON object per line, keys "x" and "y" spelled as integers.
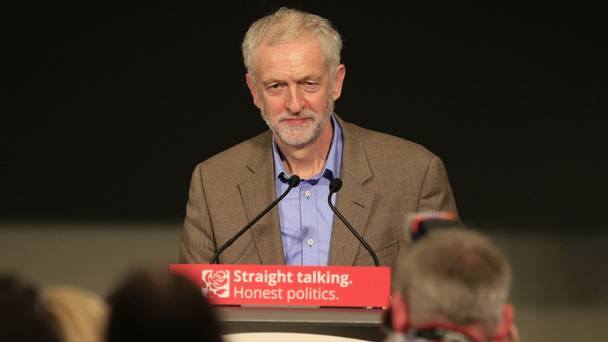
{"x": 436, "y": 192}
{"x": 197, "y": 241}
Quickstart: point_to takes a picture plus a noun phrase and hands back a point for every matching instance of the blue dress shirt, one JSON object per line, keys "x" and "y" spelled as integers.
{"x": 306, "y": 218}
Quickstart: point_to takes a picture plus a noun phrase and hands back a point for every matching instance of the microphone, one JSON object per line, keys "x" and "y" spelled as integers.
{"x": 334, "y": 186}
{"x": 293, "y": 181}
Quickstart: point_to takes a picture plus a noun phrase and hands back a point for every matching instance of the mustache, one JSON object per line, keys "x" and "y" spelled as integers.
{"x": 305, "y": 114}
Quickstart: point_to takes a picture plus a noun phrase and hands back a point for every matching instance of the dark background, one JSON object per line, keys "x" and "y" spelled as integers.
{"x": 110, "y": 107}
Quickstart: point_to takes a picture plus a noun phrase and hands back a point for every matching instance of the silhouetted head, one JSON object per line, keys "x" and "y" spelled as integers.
{"x": 24, "y": 316}
{"x": 156, "y": 306}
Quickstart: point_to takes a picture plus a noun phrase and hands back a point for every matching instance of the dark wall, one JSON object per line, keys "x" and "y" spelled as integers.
{"x": 110, "y": 106}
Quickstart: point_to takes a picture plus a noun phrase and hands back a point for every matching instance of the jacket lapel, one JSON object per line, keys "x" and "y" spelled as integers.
{"x": 257, "y": 191}
{"x": 353, "y": 201}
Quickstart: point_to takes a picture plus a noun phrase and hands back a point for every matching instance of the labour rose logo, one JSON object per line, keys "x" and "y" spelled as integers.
{"x": 216, "y": 284}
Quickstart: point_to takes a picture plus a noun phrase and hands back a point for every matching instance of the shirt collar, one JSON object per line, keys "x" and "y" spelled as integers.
{"x": 332, "y": 163}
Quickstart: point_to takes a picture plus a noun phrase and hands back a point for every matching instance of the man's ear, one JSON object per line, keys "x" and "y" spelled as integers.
{"x": 399, "y": 313}
{"x": 252, "y": 89}
{"x": 340, "y": 74}
{"x": 507, "y": 328}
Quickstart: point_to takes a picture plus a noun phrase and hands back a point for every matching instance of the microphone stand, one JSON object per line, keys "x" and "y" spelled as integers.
{"x": 293, "y": 182}
{"x": 335, "y": 186}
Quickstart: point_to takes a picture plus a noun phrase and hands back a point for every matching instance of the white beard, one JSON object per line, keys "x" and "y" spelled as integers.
{"x": 300, "y": 135}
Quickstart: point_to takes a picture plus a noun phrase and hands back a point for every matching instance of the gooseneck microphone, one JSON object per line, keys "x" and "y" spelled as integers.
{"x": 334, "y": 186}
{"x": 293, "y": 181}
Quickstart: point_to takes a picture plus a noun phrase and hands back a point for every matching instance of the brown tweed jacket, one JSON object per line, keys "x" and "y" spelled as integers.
{"x": 384, "y": 179}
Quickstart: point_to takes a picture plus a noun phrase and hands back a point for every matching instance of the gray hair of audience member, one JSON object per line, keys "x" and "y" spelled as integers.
{"x": 456, "y": 274}
{"x": 287, "y": 24}
{"x": 159, "y": 306}
{"x": 23, "y": 314}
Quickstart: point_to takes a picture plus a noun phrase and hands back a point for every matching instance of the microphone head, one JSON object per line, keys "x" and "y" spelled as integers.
{"x": 293, "y": 181}
{"x": 335, "y": 185}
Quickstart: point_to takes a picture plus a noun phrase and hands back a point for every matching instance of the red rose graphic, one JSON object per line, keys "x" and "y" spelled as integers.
{"x": 216, "y": 283}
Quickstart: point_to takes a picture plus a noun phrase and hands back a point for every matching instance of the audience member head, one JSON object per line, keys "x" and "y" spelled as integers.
{"x": 155, "y": 306}
{"x": 23, "y": 315}
{"x": 455, "y": 282}
{"x": 80, "y": 315}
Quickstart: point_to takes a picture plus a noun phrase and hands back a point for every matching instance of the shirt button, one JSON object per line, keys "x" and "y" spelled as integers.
{"x": 308, "y": 193}
{"x": 309, "y": 242}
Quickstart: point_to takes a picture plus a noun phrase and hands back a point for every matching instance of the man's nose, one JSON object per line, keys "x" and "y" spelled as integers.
{"x": 294, "y": 101}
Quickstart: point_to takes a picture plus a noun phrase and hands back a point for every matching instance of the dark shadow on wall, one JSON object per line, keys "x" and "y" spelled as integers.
{"x": 112, "y": 106}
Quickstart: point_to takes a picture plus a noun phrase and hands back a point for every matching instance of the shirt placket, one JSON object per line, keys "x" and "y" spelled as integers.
{"x": 292, "y": 226}
{"x": 308, "y": 208}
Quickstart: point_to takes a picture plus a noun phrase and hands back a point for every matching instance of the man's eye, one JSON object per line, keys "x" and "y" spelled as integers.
{"x": 311, "y": 86}
{"x": 274, "y": 88}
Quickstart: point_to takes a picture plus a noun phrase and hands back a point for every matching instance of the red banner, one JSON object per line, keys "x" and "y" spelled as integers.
{"x": 291, "y": 285}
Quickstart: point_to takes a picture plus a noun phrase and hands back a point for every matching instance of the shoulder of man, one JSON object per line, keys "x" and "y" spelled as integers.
{"x": 386, "y": 146}
{"x": 236, "y": 157}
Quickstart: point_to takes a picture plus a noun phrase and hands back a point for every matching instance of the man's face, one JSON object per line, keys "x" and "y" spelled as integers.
{"x": 293, "y": 89}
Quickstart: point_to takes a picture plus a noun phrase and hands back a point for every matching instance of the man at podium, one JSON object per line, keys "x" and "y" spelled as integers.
{"x": 294, "y": 75}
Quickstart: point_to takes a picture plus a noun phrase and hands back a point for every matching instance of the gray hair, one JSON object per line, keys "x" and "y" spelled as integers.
{"x": 287, "y": 24}
{"x": 456, "y": 274}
